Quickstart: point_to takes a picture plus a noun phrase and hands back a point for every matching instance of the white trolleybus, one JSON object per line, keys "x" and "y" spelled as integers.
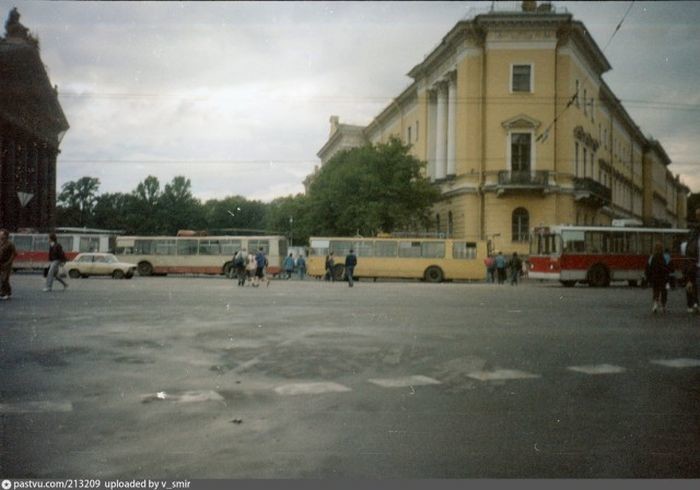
{"x": 429, "y": 259}
{"x": 598, "y": 255}
{"x": 33, "y": 248}
{"x": 197, "y": 255}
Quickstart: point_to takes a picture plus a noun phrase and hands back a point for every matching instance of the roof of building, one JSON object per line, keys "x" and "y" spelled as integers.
{"x": 27, "y": 99}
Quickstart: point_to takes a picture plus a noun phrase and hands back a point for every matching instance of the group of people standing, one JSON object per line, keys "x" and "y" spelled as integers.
{"x": 498, "y": 268}
{"x": 349, "y": 266}
{"x": 251, "y": 267}
{"x": 8, "y": 252}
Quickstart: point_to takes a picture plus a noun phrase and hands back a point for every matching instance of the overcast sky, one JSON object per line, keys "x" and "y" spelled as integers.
{"x": 245, "y": 90}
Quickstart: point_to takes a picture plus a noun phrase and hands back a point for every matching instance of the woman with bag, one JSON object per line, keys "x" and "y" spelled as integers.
{"x": 57, "y": 258}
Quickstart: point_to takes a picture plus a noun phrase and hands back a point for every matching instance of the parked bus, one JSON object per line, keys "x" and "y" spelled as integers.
{"x": 33, "y": 248}
{"x": 197, "y": 254}
{"x": 430, "y": 259}
{"x": 597, "y": 255}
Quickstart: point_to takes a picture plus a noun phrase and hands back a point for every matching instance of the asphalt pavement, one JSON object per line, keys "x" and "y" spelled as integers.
{"x": 195, "y": 377}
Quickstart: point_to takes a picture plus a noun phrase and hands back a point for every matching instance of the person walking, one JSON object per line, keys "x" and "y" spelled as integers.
{"x": 516, "y": 268}
{"x": 239, "y": 267}
{"x": 691, "y": 251}
{"x": 330, "y": 264}
{"x": 57, "y": 258}
{"x": 490, "y": 268}
{"x": 301, "y": 266}
{"x": 7, "y": 256}
{"x": 260, "y": 262}
{"x": 350, "y": 263}
{"x": 500, "y": 263}
{"x": 288, "y": 266}
{"x": 658, "y": 271}
{"x": 250, "y": 268}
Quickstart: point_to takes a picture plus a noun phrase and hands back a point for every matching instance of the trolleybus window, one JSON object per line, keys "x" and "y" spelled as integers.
{"x": 230, "y": 247}
{"x": 341, "y": 249}
{"x": 573, "y": 241}
{"x": 364, "y": 249}
{"x": 385, "y": 249}
{"x": 464, "y": 250}
{"x": 41, "y": 243}
{"x": 254, "y": 246}
{"x": 209, "y": 247}
{"x": 89, "y": 244}
{"x": 164, "y": 247}
{"x": 409, "y": 249}
{"x": 433, "y": 250}
{"x": 187, "y": 247}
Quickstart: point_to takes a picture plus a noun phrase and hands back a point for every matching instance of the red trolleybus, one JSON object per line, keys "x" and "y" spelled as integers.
{"x": 597, "y": 255}
{"x": 33, "y": 248}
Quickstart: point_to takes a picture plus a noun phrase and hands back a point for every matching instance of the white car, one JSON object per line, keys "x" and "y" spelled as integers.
{"x": 99, "y": 264}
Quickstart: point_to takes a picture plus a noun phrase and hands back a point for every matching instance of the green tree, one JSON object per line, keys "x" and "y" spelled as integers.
{"x": 77, "y": 200}
{"x": 179, "y": 208}
{"x": 112, "y": 211}
{"x": 144, "y": 213}
{"x": 289, "y": 216}
{"x": 234, "y": 213}
{"x": 372, "y": 189}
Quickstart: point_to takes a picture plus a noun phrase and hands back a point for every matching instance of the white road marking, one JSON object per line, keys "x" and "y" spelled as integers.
{"x": 36, "y": 407}
{"x": 678, "y": 363}
{"x": 310, "y": 388}
{"x": 184, "y": 397}
{"x": 404, "y": 381}
{"x": 501, "y": 374}
{"x": 597, "y": 369}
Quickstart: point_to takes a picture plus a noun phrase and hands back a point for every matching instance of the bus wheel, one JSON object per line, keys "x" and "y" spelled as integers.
{"x": 433, "y": 274}
{"x": 568, "y": 284}
{"x": 74, "y": 274}
{"x": 228, "y": 270}
{"x": 145, "y": 269}
{"x": 598, "y": 276}
{"x": 338, "y": 271}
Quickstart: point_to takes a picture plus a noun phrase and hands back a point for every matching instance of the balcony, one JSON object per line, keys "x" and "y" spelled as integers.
{"x": 522, "y": 180}
{"x": 591, "y": 192}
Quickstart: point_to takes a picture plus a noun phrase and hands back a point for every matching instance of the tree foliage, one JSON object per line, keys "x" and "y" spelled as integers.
{"x": 372, "y": 189}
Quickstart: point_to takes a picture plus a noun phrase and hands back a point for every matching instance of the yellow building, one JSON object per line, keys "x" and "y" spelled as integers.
{"x": 519, "y": 130}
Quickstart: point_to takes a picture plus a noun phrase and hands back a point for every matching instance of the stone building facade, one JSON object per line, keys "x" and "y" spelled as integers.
{"x": 32, "y": 124}
{"x": 519, "y": 130}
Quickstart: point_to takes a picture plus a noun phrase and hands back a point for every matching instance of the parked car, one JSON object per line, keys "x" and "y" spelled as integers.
{"x": 99, "y": 264}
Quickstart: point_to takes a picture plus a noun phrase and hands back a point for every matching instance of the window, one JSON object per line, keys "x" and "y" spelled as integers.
{"x": 578, "y": 89}
{"x": 89, "y": 244}
{"x": 364, "y": 249}
{"x": 143, "y": 247}
{"x": 99, "y": 259}
{"x": 167, "y": 247}
{"x": 41, "y": 243}
{"x": 573, "y": 241}
{"x": 433, "y": 250}
{"x": 340, "y": 248}
{"x": 576, "y": 160}
{"x": 585, "y": 101}
{"x": 230, "y": 247}
{"x": 409, "y": 249}
{"x": 585, "y": 161}
{"x": 417, "y": 131}
{"x": 522, "y": 77}
{"x": 385, "y": 249}
{"x": 319, "y": 248}
{"x": 84, "y": 259}
{"x": 409, "y": 134}
{"x": 520, "y": 225}
{"x": 464, "y": 250}
{"x": 520, "y": 152}
{"x": 592, "y": 109}
{"x": 209, "y": 247}
{"x": 186, "y": 247}
{"x": 66, "y": 243}
{"x": 254, "y": 246}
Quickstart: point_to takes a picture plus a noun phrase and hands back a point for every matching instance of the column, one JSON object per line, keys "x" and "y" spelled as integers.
{"x": 441, "y": 139}
{"x": 430, "y": 131}
{"x": 451, "y": 126}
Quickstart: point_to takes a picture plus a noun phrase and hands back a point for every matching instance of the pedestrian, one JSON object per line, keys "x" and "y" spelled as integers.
{"x": 288, "y": 266}
{"x": 330, "y": 264}
{"x": 490, "y": 268}
{"x": 7, "y": 256}
{"x": 658, "y": 271}
{"x": 691, "y": 292}
{"x": 301, "y": 266}
{"x": 500, "y": 263}
{"x": 350, "y": 263}
{"x": 693, "y": 260}
{"x": 239, "y": 266}
{"x": 250, "y": 267}
{"x": 516, "y": 268}
{"x": 260, "y": 262}
{"x": 57, "y": 258}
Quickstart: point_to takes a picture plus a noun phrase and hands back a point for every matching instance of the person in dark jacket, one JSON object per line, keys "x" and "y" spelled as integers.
{"x": 330, "y": 264}
{"x": 57, "y": 258}
{"x": 350, "y": 263}
{"x": 658, "y": 273}
{"x": 7, "y": 256}
{"x": 516, "y": 268}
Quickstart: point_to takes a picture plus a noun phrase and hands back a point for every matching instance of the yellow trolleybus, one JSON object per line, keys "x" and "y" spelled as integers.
{"x": 197, "y": 254}
{"x": 430, "y": 259}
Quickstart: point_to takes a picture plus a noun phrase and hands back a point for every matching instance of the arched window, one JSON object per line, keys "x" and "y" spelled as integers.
{"x": 450, "y": 224}
{"x": 520, "y": 225}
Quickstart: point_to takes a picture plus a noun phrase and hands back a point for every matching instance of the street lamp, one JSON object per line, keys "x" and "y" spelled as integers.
{"x": 291, "y": 232}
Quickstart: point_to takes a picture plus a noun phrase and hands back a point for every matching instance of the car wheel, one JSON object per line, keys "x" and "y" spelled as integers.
{"x": 433, "y": 274}
{"x": 145, "y": 269}
{"x": 74, "y": 273}
{"x": 118, "y": 274}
